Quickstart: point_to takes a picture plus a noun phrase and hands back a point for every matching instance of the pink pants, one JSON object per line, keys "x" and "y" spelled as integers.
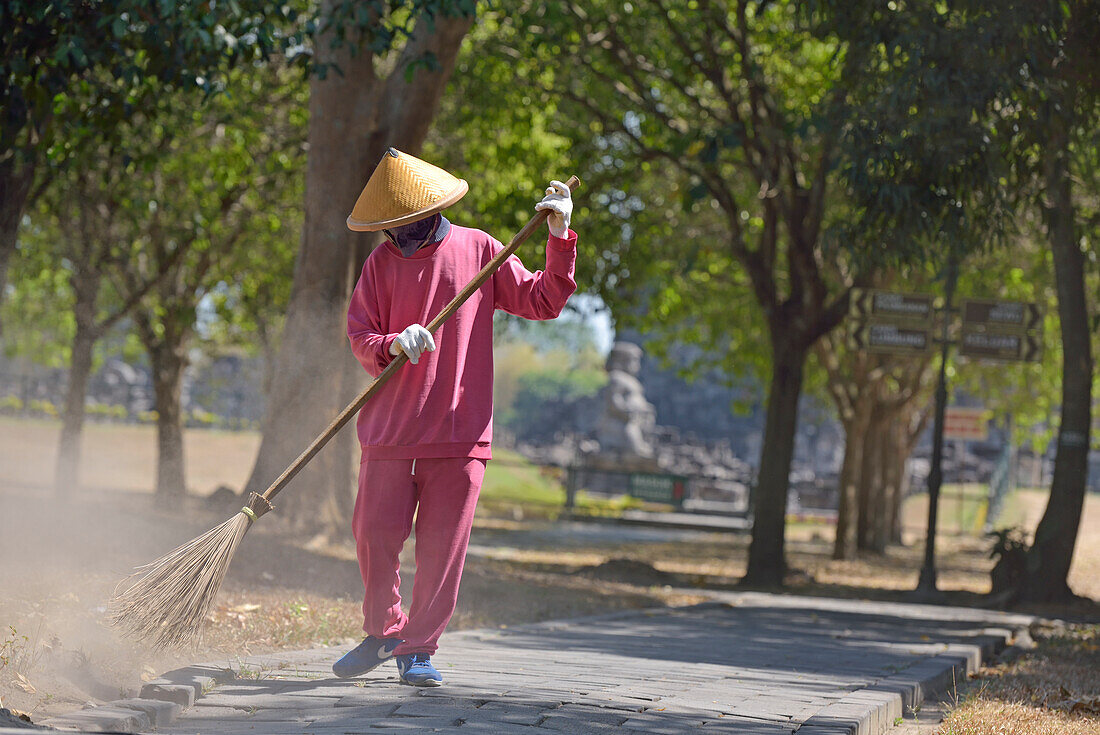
{"x": 442, "y": 493}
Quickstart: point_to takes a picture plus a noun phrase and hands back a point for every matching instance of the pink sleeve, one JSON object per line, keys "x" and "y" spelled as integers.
{"x": 369, "y": 341}
{"x": 542, "y": 294}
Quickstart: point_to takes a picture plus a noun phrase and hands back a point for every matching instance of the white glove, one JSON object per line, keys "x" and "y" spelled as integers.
{"x": 413, "y": 341}
{"x": 559, "y": 202}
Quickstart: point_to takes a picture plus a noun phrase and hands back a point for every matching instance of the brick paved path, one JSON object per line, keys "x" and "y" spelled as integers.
{"x": 760, "y": 665}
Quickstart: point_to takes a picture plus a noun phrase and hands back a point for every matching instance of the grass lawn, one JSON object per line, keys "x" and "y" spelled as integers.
{"x": 514, "y": 486}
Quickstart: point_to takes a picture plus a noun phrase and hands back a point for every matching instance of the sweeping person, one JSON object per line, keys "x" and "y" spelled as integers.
{"x": 426, "y": 437}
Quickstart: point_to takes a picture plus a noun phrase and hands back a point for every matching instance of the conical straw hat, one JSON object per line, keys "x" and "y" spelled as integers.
{"x": 401, "y": 190}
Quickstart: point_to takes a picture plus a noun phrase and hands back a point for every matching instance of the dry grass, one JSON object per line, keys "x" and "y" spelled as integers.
{"x": 1053, "y": 690}
{"x": 123, "y": 456}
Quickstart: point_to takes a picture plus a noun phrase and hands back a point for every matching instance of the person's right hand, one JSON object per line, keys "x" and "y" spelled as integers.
{"x": 413, "y": 341}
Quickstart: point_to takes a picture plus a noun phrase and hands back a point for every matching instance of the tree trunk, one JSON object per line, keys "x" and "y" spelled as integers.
{"x": 870, "y": 487}
{"x": 888, "y": 494}
{"x": 15, "y": 187}
{"x": 855, "y": 438}
{"x": 767, "y": 564}
{"x": 354, "y": 117}
{"x": 902, "y": 450}
{"x": 67, "y": 467}
{"x": 169, "y": 360}
{"x": 1049, "y": 559}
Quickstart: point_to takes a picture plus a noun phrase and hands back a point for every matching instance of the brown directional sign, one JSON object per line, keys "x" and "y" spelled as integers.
{"x": 967, "y": 424}
{"x": 892, "y": 338}
{"x": 873, "y": 304}
{"x": 1006, "y": 346}
{"x": 1015, "y": 316}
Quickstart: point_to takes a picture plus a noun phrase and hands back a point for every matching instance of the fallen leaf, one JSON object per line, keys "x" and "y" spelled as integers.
{"x": 1090, "y": 705}
{"x": 21, "y": 715}
{"x": 22, "y": 683}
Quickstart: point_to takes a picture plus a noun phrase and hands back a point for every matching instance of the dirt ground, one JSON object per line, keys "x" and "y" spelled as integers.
{"x": 60, "y": 560}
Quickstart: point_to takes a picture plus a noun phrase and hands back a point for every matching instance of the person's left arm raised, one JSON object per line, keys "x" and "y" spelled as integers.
{"x": 542, "y": 294}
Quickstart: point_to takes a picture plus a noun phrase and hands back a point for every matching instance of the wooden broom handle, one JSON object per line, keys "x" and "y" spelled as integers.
{"x": 448, "y": 311}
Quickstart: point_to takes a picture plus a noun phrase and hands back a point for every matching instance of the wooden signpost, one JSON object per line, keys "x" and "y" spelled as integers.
{"x": 893, "y": 323}
{"x": 1001, "y": 347}
{"x": 875, "y": 304}
{"x": 1013, "y": 315}
{"x": 903, "y": 323}
{"x": 1007, "y": 331}
{"x": 892, "y": 338}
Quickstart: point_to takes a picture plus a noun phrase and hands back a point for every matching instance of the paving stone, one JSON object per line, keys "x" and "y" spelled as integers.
{"x": 235, "y": 728}
{"x": 495, "y": 728}
{"x": 588, "y": 715}
{"x": 671, "y": 724}
{"x": 426, "y": 708}
{"x": 502, "y": 718}
{"x": 180, "y": 694}
{"x": 358, "y": 700}
{"x": 826, "y": 730}
{"x": 410, "y": 724}
{"x": 575, "y": 727}
{"x": 265, "y": 700}
{"x": 160, "y": 713}
{"x": 102, "y": 719}
{"x": 209, "y": 712}
{"x": 337, "y": 716}
{"x": 744, "y": 726}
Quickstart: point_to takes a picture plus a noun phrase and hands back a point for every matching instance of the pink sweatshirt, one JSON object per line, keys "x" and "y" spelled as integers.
{"x": 443, "y": 405}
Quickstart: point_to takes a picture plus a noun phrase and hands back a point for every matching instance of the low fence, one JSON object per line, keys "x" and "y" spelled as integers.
{"x": 682, "y": 492}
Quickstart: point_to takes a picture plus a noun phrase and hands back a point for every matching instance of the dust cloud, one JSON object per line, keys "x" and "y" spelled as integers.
{"x": 61, "y": 558}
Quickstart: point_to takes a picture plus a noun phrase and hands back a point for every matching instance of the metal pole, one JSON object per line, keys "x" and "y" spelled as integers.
{"x": 960, "y": 455}
{"x": 927, "y": 582}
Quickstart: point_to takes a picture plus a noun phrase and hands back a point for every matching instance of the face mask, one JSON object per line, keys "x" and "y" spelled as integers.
{"x": 415, "y": 235}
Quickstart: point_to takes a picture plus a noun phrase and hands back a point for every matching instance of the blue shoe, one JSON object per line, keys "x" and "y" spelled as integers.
{"x": 369, "y": 654}
{"x": 416, "y": 669}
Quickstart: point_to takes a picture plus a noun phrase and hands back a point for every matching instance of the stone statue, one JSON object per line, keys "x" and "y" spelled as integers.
{"x": 627, "y": 420}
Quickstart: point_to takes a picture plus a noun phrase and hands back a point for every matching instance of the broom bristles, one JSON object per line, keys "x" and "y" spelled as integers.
{"x": 167, "y": 601}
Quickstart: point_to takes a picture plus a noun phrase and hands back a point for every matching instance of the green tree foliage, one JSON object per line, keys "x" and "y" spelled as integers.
{"x": 919, "y": 161}
{"x": 493, "y": 130}
{"x": 38, "y": 313}
{"x": 705, "y": 135}
{"x": 1015, "y": 106}
{"x": 202, "y": 207}
{"x": 543, "y": 367}
{"x": 73, "y": 73}
{"x": 221, "y": 191}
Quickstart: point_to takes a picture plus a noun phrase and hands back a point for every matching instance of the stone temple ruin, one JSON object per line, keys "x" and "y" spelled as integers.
{"x": 617, "y": 433}
{"x": 626, "y": 427}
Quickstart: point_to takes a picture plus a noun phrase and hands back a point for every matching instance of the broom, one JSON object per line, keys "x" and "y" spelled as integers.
{"x": 167, "y": 601}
